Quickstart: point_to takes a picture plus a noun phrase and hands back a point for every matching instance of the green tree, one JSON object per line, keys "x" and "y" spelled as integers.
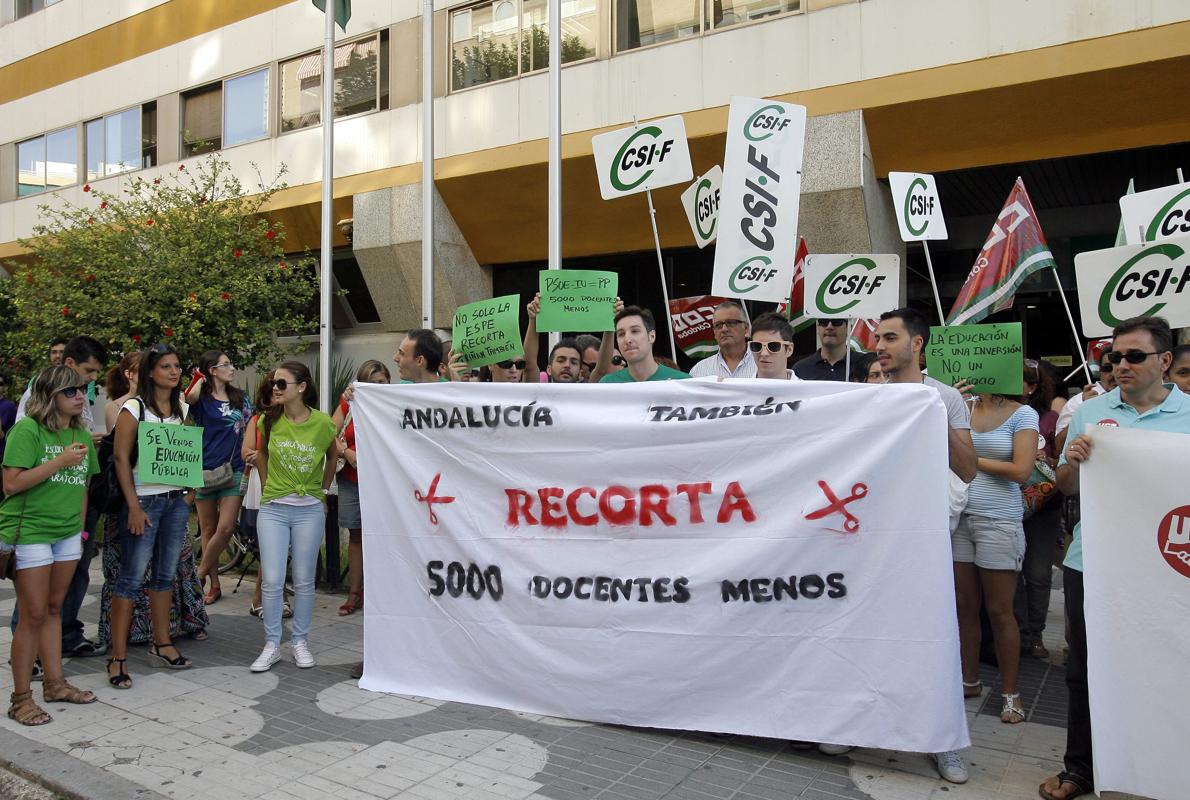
{"x": 188, "y": 259}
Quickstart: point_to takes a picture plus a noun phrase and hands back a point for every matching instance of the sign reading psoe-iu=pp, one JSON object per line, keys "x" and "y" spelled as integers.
{"x": 642, "y": 157}
{"x": 1133, "y": 281}
{"x": 851, "y": 285}
{"x": 919, "y": 211}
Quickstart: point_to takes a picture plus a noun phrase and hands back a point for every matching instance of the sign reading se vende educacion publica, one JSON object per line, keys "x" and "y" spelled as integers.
{"x": 642, "y": 157}
{"x": 758, "y": 212}
{"x": 1133, "y": 281}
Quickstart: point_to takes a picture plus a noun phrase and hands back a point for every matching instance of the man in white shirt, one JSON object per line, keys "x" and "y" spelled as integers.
{"x": 1106, "y": 382}
{"x": 731, "y": 332}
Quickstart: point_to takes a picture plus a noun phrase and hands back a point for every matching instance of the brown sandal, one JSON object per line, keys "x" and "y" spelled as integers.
{"x": 355, "y": 601}
{"x": 64, "y": 692}
{"x": 25, "y": 711}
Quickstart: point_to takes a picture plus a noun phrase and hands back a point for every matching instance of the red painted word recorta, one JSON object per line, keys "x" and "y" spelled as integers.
{"x": 556, "y": 507}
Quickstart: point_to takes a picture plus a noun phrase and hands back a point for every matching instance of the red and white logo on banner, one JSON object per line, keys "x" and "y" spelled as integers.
{"x": 1173, "y": 539}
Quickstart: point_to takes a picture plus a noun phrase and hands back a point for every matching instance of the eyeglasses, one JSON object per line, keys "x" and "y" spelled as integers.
{"x": 280, "y": 384}
{"x": 70, "y": 391}
{"x": 773, "y": 347}
{"x": 224, "y": 365}
{"x": 619, "y": 361}
{"x": 518, "y": 363}
{"x": 590, "y": 365}
{"x": 826, "y": 323}
{"x": 1132, "y": 356}
{"x": 727, "y": 323}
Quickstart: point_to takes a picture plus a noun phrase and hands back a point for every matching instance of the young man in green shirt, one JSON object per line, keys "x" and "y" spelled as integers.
{"x": 419, "y": 356}
{"x": 635, "y": 333}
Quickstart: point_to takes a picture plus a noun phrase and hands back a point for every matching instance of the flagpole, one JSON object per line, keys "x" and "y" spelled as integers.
{"x": 847, "y": 358}
{"x": 326, "y": 276}
{"x": 554, "y": 181}
{"x": 673, "y": 349}
{"x": 1074, "y": 330}
{"x": 427, "y": 164}
{"x": 933, "y": 282}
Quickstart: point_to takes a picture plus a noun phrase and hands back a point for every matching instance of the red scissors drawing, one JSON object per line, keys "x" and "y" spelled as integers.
{"x": 431, "y": 498}
{"x": 837, "y": 506}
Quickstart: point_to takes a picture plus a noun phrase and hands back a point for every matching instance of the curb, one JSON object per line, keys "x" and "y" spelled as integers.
{"x": 65, "y": 774}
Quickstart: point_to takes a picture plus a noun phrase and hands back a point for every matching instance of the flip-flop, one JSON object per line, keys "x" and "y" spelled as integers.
{"x": 1081, "y": 787}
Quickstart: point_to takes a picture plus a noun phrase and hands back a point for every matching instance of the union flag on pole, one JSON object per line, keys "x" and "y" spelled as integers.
{"x": 1014, "y": 250}
{"x": 795, "y": 309}
{"x": 863, "y": 335}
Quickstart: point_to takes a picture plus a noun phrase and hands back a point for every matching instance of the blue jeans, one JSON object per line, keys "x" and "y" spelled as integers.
{"x": 162, "y": 542}
{"x": 279, "y": 528}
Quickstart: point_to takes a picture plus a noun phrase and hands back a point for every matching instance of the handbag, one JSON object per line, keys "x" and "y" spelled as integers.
{"x": 1039, "y": 488}
{"x": 104, "y": 494}
{"x": 250, "y": 510}
{"x": 221, "y": 477}
{"x": 8, "y": 557}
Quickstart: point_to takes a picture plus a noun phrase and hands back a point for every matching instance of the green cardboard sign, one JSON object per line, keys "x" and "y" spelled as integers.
{"x": 488, "y": 331}
{"x": 169, "y": 454}
{"x": 992, "y": 357}
{"x": 577, "y": 300}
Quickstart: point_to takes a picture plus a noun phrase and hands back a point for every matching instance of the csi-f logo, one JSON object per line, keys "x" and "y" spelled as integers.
{"x": 645, "y": 148}
{"x": 1173, "y": 219}
{"x": 848, "y": 280}
{"x": 764, "y": 122}
{"x": 1152, "y": 273}
{"x": 706, "y": 208}
{"x": 919, "y": 203}
{"x": 758, "y": 269}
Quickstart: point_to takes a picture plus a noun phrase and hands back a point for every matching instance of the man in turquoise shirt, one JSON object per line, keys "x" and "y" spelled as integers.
{"x": 635, "y": 333}
{"x": 1141, "y": 355}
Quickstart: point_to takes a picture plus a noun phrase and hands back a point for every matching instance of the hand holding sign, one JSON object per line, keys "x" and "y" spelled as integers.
{"x": 488, "y": 331}
{"x": 169, "y": 454}
{"x": 576, "y": 300}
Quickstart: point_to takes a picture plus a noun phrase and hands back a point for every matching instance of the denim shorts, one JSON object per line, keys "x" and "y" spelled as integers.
{"x": 349, "y": 513}
{"x": 989, "y": 542}
{"x": 161, "y": 543}
{"x": 234, "y": 489}
{"x": 29, "y": 556}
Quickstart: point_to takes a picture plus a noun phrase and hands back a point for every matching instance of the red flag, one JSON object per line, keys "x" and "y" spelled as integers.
{"x": 863, "y": 335}
{"x": 690, "y": 318}
{"x": 795, "y": 309}
{"x": 1014, "y": 250}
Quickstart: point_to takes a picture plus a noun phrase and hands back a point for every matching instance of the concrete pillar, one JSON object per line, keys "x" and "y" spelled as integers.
{"x": 387, "y": 244}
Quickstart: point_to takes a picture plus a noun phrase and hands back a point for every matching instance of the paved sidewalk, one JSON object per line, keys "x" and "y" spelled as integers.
{"x": 220, "y": 731}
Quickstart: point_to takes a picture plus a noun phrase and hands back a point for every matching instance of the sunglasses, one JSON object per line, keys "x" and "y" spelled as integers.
{"x": 590, "y": 365}
{"x": 773, "y": 347}
{"x": 1106, "y": 367}
{"x": 280, "y": 384}
{"x": 70, "y": 391}
{"x": 1132, "y": 356}
{"x": 826, "y": 323}
{"x": 518, "y": 363}
{"x": 619, "y": 361}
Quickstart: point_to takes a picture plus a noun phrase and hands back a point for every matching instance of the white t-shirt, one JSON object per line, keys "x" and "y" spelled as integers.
{"x": 132, "y": 406}
{"x": 1067, "y": 412}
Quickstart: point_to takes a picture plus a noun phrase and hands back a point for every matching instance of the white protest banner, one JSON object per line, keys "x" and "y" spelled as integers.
{"x": 762, "y": 185}
{"x": 850, "y": 285}
{"x": 1136, "y": 585}
{"x": 919, "y": 211}
{"x": 1156, "y": 214}
{"x": 701, "y": 201}
{"x": 1132, "y": 281}
{"x": 642, "y": 157}
{"x": 612, "y": 553}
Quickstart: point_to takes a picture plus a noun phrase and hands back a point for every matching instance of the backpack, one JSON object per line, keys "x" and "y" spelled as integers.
{"x": 104, "y": 495}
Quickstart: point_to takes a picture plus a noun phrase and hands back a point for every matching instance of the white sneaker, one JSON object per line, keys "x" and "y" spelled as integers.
{"x": 302, "y": 655}
{"x": 834, "y": 749}
{"x": 269, "y": 656}
{"x": 950, "y": 766}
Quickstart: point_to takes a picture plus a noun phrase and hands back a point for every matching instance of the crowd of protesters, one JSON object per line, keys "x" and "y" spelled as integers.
{"x": 276, "y": 455}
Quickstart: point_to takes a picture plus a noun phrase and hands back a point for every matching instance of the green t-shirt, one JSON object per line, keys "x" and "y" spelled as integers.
{"x": 663, "y": 373}
{"x": 51, "y": 509}
{"x": 297, "y": 456}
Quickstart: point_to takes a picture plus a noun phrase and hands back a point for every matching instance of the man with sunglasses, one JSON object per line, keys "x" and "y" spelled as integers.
{"x": 772, "y": 346}
{"x": 829, "y": 362}
{"x": 734, "y": 359}
{"x": 1105, "y": 384}
{"x": 1140, "y": 356}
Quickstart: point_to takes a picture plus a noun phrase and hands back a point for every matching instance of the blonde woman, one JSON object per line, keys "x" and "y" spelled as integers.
{"x": 48, "y": 459}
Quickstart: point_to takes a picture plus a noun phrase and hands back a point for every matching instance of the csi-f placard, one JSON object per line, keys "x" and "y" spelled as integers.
{"x": 1134, "y": 281}
{"x": 919, "y": 211}
{"x": 1157, "y": 214}
{"x": 642, "y": 157}
{"x": 701, "y": 202}
{"x": 851, "y": 285}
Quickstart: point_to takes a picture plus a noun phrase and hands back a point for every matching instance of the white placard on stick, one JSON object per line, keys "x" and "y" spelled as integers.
{"x": 1156, "y": 214}
{"x": 1132, "y": 281}
{"x": 797, "y": 594}
{"x": 759, "y": 203}
{"x": 849, "y": 285}
{"x": 701, "y": 202}
{"x": 919, "y": 211}
{"x": 642, "y": 157}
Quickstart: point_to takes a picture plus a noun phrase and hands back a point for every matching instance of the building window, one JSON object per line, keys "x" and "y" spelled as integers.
{"x": 47, "y": 162}
{"x": 501, "y": 39}
{"x": 121, "y": 142}
{"x": 361, "y": 83}
{"x": 226, "y": 113}
{"x": 732, "y": 12}
{"x": 640, "y": 23}
{"x": 27, "y": 7}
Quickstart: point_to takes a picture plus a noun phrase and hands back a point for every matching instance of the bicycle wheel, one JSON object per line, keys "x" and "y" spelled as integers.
{"x": 233, "y": 554}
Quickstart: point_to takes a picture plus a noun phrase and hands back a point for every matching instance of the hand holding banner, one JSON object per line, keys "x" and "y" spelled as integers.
{"x": 990, "y": 357}
{"x": 488, "y": 331}
{"x": 577, "y": 300}
{"x": 169, "y": 454}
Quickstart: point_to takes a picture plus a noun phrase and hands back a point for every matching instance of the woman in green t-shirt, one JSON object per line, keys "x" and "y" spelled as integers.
{"x": 48, "y": 460}
{"x": 296, "y": 464}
